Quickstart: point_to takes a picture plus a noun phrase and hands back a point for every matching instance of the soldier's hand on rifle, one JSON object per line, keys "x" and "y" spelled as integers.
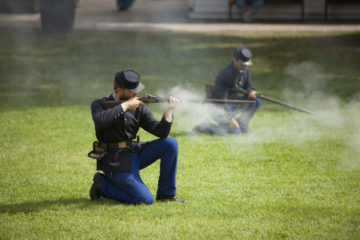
{"x": 173, "y": 103}
{"x": 131, "y": 104}
{"x": 234, "y": 124}
{"x": 252, "y": 95}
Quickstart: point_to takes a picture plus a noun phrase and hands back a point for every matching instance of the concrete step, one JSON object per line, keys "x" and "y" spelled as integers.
{"x": 291, "y": 12}
{"x": 313, "y": 10}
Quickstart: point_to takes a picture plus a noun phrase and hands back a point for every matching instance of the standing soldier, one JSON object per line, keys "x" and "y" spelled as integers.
{"x": 116, "y": 128}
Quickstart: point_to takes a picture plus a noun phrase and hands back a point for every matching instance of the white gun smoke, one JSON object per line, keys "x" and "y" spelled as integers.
{"x": 332, "y": 116}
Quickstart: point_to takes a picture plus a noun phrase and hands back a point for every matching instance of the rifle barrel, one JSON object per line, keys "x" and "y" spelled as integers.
{"x": 269, "y": 99}
{"x": 284, "y": 104}
{"x": 111, "y": 104}
{"x": 218, "y": 101}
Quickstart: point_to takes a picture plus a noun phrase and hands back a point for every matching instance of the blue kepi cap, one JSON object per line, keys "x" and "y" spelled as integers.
{"x": 130, "y": 80}
{"x": 244, "y": 55}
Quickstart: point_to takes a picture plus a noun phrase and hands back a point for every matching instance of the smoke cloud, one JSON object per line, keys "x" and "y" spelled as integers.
{"x": 350, "y": 158}
{"x": 191, "y": 114}
{"x": 310, "y": 77}
{"x": 334, "y": 119}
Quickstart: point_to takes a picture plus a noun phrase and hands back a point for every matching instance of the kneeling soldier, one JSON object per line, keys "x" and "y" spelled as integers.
{"x": 116, "y": 128}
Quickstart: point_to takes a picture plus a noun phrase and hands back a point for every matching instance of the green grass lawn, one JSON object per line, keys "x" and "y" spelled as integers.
{"x": 294, "y": 176}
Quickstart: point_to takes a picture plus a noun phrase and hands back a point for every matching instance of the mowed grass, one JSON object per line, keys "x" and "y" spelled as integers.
{"x": 294, "y": 176}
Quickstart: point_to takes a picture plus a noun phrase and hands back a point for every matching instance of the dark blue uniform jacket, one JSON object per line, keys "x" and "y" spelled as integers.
{"x": 230, "y": 77}
{"x": 114, "y": 125}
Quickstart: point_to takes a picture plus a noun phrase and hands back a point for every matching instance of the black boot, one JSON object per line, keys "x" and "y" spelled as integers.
{"x": 95, "y": 188}
{"x": 170, "y": 198}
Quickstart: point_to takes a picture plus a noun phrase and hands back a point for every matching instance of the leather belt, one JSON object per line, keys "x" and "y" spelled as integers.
{"x": 123, "y": 144}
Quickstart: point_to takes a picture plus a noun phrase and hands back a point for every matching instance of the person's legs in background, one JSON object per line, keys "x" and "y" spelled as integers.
{"x": 257, "y": 4}
{"x": 124, "y": 4}
{"x": 249, "y": 11}
{"x": 241, "y": 4}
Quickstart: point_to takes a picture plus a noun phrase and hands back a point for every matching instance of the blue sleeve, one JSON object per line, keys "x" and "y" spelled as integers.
{"x": 248, "y": 84}
{"x": 221, "y": 88}
{"x": 103, "y": 118}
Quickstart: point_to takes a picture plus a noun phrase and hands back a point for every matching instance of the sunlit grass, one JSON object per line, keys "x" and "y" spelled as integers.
{"x": 294, "y": 176}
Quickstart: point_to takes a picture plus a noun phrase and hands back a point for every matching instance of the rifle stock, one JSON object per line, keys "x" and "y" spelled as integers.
{"x": 145, "y": 99}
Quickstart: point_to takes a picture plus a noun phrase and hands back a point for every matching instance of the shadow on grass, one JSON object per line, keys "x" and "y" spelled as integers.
{"x": 36, "y": 206}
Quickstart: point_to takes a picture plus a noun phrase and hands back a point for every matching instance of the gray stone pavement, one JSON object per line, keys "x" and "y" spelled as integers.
{"x": 164, "y": 15}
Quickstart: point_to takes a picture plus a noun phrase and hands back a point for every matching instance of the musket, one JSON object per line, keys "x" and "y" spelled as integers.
{"x": 210, "y": 87}
{"x": 269, "y": 99}
{"x": 155, "y": 99}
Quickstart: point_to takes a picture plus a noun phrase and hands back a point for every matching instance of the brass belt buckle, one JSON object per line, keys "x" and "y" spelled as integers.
{"x": 121, "y": 144}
